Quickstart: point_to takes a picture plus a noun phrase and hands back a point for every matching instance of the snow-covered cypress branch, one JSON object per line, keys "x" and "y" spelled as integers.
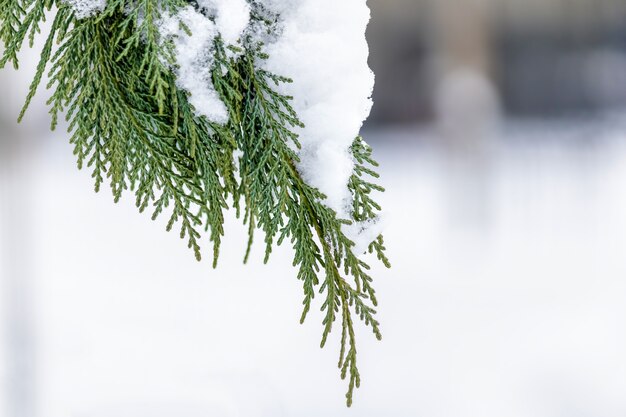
{"x": 194, "y": 106}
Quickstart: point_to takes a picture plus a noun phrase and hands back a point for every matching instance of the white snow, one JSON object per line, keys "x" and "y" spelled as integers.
{"x": 194, "y": 54}
{"x": 86, "y": 8}
{"x": 364, "y": 233}
{"x": 194, "y": 60}
{"x": 231, "y": 17}
{"x": 322, "y": 47}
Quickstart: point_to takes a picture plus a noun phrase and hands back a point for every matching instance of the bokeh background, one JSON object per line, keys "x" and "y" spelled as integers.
{"x": 500, "y": 126}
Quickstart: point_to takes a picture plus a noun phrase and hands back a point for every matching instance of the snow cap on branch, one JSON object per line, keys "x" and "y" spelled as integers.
{"x": 194, "y": 60}
{"x": 322, "y": 47}
{"x": 86, "y": 8}
{"x": 194, "y": 51}
{"x": 231, "y": 17}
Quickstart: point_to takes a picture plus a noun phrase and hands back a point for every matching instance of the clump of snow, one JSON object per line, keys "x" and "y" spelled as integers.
{"x": 194, "y": 60}
{"x": 194, "y": 53}
{"x": 322, "y": 47}
{"x": 281, "y": 7}
{"x": 232, "y": 17}
{"x": 364, "y": 233}
{"x": 86, "y": 8}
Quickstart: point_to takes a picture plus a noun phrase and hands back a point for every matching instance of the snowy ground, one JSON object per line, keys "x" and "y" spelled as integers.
{"x": 507, "y": 296}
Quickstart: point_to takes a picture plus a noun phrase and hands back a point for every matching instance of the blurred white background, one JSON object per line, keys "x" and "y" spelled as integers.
{"x": 506, "y": 213}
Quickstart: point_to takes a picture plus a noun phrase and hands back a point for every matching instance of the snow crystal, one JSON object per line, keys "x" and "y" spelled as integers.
{"x": 322, "y": 47}
{"x": 86, "y": 8}
{"x": 194, "y": 60}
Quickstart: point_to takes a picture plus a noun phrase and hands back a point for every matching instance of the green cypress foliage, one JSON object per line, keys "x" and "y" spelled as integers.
{"x": 110, "y": 77}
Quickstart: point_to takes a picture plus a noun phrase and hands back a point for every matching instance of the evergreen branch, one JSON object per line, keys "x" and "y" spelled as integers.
{"x": 111, "y": 75}
{"x": 364, "y": 207}
{"x": 20, "y": 19}
{"x": 280, "y": 203}
{"x": 61, "y": 22}
{"x": 139, "y": 147}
